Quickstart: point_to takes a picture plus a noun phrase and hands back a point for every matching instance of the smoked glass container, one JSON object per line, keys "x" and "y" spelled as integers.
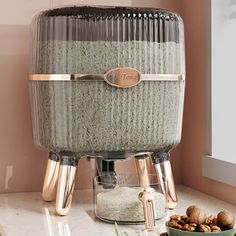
{"x": 107, "y": 81}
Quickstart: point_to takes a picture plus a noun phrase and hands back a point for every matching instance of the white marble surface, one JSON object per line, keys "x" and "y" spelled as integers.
{"x": 25, "y": 214}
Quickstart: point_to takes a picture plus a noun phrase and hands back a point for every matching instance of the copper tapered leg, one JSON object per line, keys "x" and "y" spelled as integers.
{"x": 50, "y": 179}
{"x": 163, "y": 170}
{"x": 172, "y": 196}
{"x": 66, "y": 184}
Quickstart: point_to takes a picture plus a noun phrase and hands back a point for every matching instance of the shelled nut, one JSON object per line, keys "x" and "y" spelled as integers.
{"x": 184, "y": 218}
{"x": 193, "y": 224}
{"x": 182, "y": 222}
{"x": 210, "y": 220}
{"x": 191, "y": 228}
{"x": 175, "y": 217}
{"x": 204, "y": 228}
{"x": 185, "y": 227}
{"x": 215, "y": 228}
{"x": 175, "y": 224}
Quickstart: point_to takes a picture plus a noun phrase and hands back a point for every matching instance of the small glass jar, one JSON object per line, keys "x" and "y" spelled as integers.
{"x": 117, "y": 200}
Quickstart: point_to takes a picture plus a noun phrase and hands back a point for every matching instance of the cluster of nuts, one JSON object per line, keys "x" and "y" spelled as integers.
{"x": 196, "y": 220}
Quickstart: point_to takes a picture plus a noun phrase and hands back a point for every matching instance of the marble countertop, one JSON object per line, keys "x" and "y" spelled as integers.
{"x": 25, "y": 214}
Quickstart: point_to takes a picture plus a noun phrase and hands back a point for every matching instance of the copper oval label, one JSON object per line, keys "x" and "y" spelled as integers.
{"x": 123, "y": 77}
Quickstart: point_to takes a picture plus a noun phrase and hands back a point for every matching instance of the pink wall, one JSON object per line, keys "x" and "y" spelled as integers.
{"x": 195, "y": 15}
{"x": 22, "y": 166}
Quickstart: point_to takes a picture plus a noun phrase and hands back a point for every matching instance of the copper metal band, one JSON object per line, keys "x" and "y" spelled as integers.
{"x": 121, "y": 77}
{"x": 100, "y": 77}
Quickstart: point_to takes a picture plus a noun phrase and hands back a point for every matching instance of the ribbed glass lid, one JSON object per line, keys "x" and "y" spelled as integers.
{"x": 141, "y": 23}
{"x": 93, "y": 40}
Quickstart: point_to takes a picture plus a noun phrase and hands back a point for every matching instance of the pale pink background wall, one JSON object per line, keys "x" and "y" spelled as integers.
{"x": 22, "y": 166}
{"x": 195, "y": 15}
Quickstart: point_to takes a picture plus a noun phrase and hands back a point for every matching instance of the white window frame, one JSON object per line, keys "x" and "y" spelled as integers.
{"x": 214, "y": 167}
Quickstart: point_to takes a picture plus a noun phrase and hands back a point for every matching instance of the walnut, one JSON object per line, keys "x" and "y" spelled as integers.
{"x": 175, "y": 217}
{"x": 164, "y": 234}
{"x": 214, "y": 221}
{"x": 215, "y": 228}
{"x": 193, "y": 224}
{"x": 185, "y": 227}
{"x": 178, "y": 226}
{"x": 175, "y": 224}
{"x": 197, "y": 216}
{"x": 189, "y": 210}
{"x": 209, "y": 220}
{"x": 187, "y": 220}
{"x": 184, "y": 217}
{"x": 182, "y": 222}
{"x": 226, "y": 220}
{"x": 204, "y": 228}
{"x": 191, "y": 228}
{"x": 188, "y": 227}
